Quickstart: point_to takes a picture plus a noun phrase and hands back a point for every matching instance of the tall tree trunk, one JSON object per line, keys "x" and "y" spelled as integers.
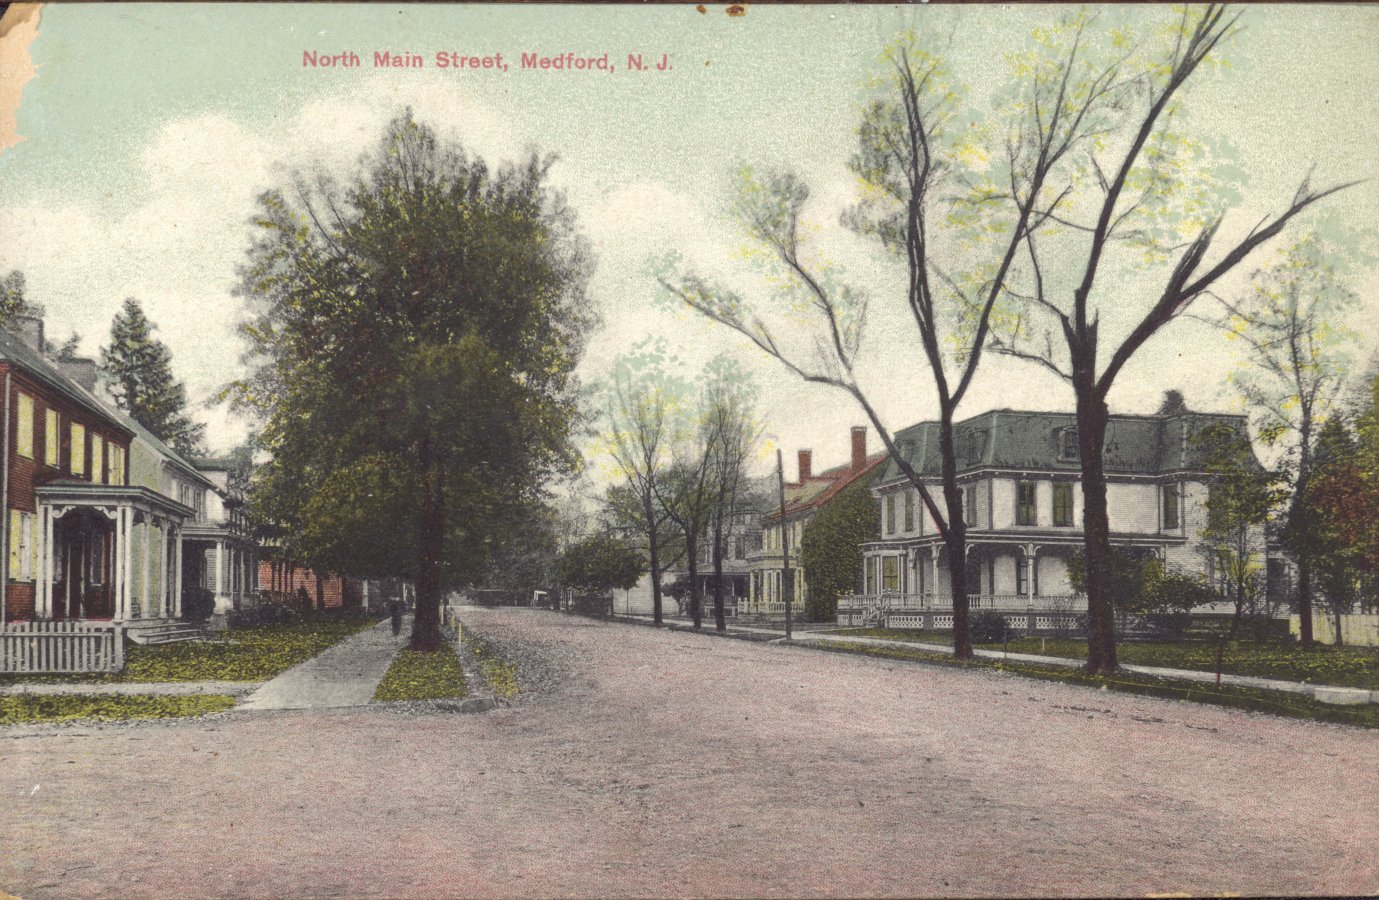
{"x": 1092, "y": 416}
{"x": 426, "y": 624}
{"x": 956, "y": 541}
{"x": 1300, "y": 491}
{"x": 1305, "y": 602}
{"x": 720, "y": 622}
{"x": 696, "y": 589}
{"x": 654, "y": 563}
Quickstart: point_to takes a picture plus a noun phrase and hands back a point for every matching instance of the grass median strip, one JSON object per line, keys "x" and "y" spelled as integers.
{"x": 1298, "y": 706}
{"x": 17, "y": 709}
{"x": 423, "y": 676}
{"x": 501, "y": 676}
{"x": 1339, "y": 666}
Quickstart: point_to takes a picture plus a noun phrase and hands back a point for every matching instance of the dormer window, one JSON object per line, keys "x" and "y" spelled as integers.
{"x": 1068, "y": 450}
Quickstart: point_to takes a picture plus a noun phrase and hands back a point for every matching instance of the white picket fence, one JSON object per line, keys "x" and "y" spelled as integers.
{"x": 61, "y": 647}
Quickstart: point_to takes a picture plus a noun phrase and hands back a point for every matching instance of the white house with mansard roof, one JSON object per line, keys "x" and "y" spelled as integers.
{"x": 1020, "y": 474}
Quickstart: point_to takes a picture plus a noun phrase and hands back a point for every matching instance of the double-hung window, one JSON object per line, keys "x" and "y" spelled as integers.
{"x": 1170, "y": 502}
{"x": 51, "y": 442}
{"x": 1062, "y": 503}
{"x": 78, "y": 449}
{"x": 1024, "y": 503}
{"x": 24, "y": 436}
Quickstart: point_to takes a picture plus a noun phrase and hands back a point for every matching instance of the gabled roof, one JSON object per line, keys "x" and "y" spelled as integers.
{"x": 123, "y": 418}
{"x": 1017, "y": 439}
{"x": 818, "y": 489}
{"x": 177, "y": 460}
{"x": 21, "y": 355}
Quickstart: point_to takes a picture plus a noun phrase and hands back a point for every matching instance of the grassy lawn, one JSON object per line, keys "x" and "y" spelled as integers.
{"x": 248, "y": 654}
{"x": 897, "y": 634}
{"x": 20, "y": 708}
{"x": 500, "y": 675}
{"x": 1297, "y": 706}
{"x": 1340, "y": 666}
{"x": 423, "y": 676}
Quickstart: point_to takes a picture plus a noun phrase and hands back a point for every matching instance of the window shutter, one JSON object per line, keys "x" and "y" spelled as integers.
{"x": 14, "y": 544}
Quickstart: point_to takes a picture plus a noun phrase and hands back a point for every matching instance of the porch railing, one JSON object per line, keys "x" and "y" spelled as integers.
{"x": 1042, "y": 612}
{"x": 61, "y": 647}
{"x": 1062, "y": 603}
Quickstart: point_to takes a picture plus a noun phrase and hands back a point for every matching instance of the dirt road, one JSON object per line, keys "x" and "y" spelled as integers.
{"x": 648, "y": 763}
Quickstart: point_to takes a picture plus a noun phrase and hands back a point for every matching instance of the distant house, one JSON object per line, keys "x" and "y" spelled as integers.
{"x": 804, "y": 497}
{"x": 222, "y": 541}
{"x": 1020, "y": 474}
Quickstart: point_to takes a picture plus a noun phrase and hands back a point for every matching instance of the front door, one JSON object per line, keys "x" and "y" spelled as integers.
{"x": 82, "y": 587}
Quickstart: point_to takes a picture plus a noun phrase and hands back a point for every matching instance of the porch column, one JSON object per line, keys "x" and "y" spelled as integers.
{"x": 41, "y": 576}
{"x": 126, "y": 554}
{"x": 177, "y": 575}
{"x": 933, "y": 570}
{"x": 222, "y": 601}
{"x": 1030, "y": 550}
{"x": 145, "y": 573}
{"x": 164, "y": 582}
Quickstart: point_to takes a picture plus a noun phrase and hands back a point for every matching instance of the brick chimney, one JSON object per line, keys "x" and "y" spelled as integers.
{"x": 28, "y": 329}
{"x": 82, "y": 371}
{"x": 859, "y": 447}
{"x": 806, "y": 465}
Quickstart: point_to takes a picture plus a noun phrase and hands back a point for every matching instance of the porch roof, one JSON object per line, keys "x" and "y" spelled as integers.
{"x": 85, "y": 493}
{"x": 206, "y": 531}
{"x": 1019, "y": 539}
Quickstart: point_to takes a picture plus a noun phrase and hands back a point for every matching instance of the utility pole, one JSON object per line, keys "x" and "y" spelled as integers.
{"x": 787, "y": 583}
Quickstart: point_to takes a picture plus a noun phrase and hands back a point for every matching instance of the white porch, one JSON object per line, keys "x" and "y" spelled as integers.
{"x": 225, "y": 563}
{"x": 108, "y": 552}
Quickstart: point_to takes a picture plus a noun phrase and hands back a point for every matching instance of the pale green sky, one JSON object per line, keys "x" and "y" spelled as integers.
{"x": 149, "y": 129}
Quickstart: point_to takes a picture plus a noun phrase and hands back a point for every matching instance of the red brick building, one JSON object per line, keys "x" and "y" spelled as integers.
{"x": 283, "y": 581}
{"x": 68, "y": 506}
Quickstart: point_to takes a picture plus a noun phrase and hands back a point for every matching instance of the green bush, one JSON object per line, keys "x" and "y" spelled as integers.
{"x": 990, "y": 627}
{"x": 197, "y": 604}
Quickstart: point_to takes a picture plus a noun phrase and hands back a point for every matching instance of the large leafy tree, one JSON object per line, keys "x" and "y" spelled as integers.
{"x": 138, "y": 369}
{"x": 642, "y": 403}
{"x": 1142, "y": 235}
{"x": 600, "y": 563}
{"x": 924, "y": 204}
{"x": 730, "y": 415}
{"x": 414, "y": 331}
{"x": 1331, "y": 524}
{"x": 1241, "y": 498}
{"x": 1293, "y": 324}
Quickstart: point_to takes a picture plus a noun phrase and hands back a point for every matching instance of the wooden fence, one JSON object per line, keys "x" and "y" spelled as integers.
{"x": 61, "y": 647}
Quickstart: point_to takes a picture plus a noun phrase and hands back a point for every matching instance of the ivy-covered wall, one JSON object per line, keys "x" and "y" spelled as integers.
{"x": 831, "y": 550}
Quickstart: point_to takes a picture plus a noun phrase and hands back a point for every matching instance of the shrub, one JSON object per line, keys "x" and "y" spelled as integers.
{"x": 990, "y": 627}
{"x": 197, "y": 604}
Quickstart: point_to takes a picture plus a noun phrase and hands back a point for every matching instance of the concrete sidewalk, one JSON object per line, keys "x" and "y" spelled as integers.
{"x": 344, "y": 675}
{"x": 1322, "y": 692}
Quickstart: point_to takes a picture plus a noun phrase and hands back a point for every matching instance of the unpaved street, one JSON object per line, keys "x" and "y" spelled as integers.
{"x": 651, "y": 763}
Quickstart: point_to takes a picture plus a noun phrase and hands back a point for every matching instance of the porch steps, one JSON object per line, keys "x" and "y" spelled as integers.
{"x": 165, "y": 632}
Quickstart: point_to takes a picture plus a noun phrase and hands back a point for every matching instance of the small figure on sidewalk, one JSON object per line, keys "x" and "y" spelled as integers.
{"x": 395, "y": 610}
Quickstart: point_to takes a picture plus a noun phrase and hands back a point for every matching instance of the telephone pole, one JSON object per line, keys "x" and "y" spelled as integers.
{"x": 787, "y": 583}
